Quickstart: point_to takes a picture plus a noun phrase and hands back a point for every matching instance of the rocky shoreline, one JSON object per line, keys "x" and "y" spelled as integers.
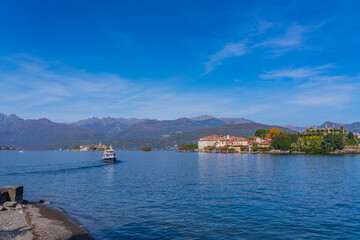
{"x": 21, "y": 220}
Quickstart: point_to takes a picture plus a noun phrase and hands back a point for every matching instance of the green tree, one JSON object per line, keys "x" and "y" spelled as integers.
{"x": 190, "y": 146}
{"x": 284, "y": 141}
{"x": 254, "y": 147}
{"x": 77, "y": 147}
{"x": 333, "y": 141}
{"x": 261, "y": 133}
{"x": 351, "y": 138}
{"x": 342, "y": 130}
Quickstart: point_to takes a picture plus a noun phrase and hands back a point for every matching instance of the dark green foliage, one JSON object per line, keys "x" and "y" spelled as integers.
{"x": 284, "y": 141}
{"x": 261, "y": 132}
{"x": 77, "y": 147}
{"x": 231, "y": 150}
{"x": 334, "y": 141}
{"x": 350, "y": 139}
{"x": 190, "y": 146}
{"x": 315, "y": 150}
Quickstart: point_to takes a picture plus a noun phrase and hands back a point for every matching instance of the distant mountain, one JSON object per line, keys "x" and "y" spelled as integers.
{"x": 157, "y": 128}
{"x": 5, "y": 120}
{"x": 240, "y": 130}
{"x": 202, "y": 117}
{"x": 294, "y": 128}
{"x": 353, "y": 127}
{"x": 143, "y": 128}
{"x": 331, "y": 124}
{"x": 236, "y": 120}
{"x": 108, "y": 126}
{"x": 44, "y": 134}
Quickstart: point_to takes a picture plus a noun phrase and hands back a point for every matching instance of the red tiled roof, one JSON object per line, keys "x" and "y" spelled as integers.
{"x": 222, "y": 138}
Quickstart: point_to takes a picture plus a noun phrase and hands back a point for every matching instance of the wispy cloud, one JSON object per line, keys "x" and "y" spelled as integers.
{"x": 291, "y": 38}
{"x": 228, "y": 51}
{"x": 296, "y": 73}
{"x": 316, "y": 86}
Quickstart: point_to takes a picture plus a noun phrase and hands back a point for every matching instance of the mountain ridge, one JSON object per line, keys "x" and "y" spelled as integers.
{"x": 44, "y": 134}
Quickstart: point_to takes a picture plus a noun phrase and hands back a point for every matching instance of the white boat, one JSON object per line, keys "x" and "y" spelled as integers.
{"x": 21, "y": 151}
{"x": 109, "y": 156}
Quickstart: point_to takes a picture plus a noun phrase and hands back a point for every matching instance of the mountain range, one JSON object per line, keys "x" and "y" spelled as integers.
{"x": 127, "y": 133}
{"x": 133, "y": 128}
{"x": 43, "y": 133}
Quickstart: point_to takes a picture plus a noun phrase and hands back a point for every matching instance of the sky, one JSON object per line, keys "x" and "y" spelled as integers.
{"x": 274, "y": 62}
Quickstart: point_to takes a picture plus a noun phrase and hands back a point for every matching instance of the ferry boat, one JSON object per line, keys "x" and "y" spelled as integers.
{"x": 109, "y": 156}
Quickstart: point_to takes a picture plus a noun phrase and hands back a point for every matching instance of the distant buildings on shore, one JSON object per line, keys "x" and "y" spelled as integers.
{"x": 325, "y": 130}
{"x": 99, "y": 147}
{"x": 237, "y": 143}
{"x": 6, "y": 148}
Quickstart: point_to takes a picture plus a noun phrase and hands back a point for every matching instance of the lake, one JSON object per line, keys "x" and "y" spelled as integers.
{"x": 171, "y": 195}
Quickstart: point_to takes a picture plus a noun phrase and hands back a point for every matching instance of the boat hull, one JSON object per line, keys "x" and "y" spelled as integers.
{"x": 111, "y": 160}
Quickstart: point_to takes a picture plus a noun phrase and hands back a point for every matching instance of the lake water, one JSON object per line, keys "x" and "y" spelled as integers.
{"x": 171, "y": 195}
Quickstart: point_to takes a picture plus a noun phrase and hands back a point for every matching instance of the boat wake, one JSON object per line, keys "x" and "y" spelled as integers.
{"x": 56, "y": 169}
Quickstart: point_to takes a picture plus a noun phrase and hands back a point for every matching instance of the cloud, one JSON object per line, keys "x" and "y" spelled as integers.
{"x": 324, "y": 99}
{"x": 292, "y": 38}
{"x": 296, "y": 73}
{"x": 228, "y": 51}
{"x": 316, "y": 86}
{"x": 34, "y": 88}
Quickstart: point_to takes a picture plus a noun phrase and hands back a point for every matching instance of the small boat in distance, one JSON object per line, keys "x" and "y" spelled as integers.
{"x": 109, "y": 156}
{"x": 21, "y": 151}
{"x": 146, "y": 149}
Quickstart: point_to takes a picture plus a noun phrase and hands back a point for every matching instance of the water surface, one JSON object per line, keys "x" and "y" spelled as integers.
{"x": 170, "y": 195}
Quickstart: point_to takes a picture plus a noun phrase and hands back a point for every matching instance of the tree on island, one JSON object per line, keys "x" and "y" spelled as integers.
{"x": 284, "y": 141}
{"x": 254, "y": 147}
{"x": 77, "y": 147}
{"x": 333, "y": 141}
{"x": 190, "y": 146}
{"x": 261, "y": 133}
{"x": 351, "y": 139}
{"x": 274, "y": 132}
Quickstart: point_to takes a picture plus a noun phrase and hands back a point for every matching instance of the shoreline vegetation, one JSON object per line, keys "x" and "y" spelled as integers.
{"x": 24, "y": 220}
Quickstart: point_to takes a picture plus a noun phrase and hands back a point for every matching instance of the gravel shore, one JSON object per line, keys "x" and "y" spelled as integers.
{"x": 38, "y": 222}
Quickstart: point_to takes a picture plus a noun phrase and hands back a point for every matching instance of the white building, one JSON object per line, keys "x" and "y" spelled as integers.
{"x": 221, "y": 141}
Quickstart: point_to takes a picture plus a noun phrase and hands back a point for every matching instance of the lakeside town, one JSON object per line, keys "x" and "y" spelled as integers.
{"x": 328, "y": 140}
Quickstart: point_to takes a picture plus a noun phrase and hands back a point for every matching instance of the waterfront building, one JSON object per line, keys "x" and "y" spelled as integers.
{"x": 221, "y": 141}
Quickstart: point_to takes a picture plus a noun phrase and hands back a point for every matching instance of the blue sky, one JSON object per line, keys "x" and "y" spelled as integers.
{"x": 288, "y": 62}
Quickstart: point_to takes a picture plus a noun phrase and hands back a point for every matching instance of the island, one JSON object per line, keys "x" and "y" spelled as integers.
{"x": 328, "y": 140}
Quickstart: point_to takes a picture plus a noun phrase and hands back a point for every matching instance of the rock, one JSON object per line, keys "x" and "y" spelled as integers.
{"x": 15, "y": 192}
{"x": 9, "y": 204}
{"x": 4, "y": 196}
{"x": 44, "y": 201}
{"x": 19, "y": 206}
